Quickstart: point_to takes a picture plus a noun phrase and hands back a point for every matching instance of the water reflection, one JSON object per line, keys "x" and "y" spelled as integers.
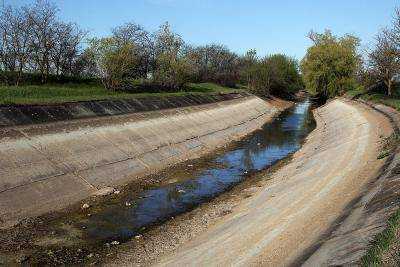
{"x": 273, "y": 142}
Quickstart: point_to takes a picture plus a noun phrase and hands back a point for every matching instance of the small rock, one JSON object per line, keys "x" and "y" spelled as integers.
{"x": 117, "y": 192}
{"x": 190, "y": 165}
{"x": 180, "y": 191}
{"x": 90, "y": 255}
{"x": 22, "y": 259}
{"x": 138, "y": 236}
{"x": 79, "y": 250}
{"x": 258, "y": 144}
{"x": 128, "y": 204}
{"x": 104, "y": 191}
{"x": 114, "y": 243}
{"x": 84, "y": 227}
{"x": 85, "y": 206}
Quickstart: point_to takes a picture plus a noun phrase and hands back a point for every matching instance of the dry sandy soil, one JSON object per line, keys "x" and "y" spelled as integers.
{"x": 279, "y": 220}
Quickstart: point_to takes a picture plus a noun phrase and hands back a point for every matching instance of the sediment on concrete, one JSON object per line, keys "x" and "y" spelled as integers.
{"x": 12, "y": 115}
{"x": 368, "y": 215}
{"x": 46, "y": 167}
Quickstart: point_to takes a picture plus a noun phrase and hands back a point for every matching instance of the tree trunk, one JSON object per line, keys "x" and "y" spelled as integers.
{"x": 19, "y": 76}
{"x": 389, "y": 85}
{"x": 388, "y": 82}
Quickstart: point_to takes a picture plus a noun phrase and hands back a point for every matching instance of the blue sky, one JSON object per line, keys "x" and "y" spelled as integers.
{"x": 268, "y": 26}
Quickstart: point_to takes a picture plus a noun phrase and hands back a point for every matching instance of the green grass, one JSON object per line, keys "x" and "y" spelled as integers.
{"x": 383, "y": 99}
{"x": 383, "y": 154}
{"x": 208, "y": 87}
{"x": 382, "y": 242}
{"x": 46, "y": 94}
{"x": 355, "y": 92}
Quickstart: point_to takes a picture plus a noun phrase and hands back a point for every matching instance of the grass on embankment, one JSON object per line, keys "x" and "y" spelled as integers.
{"x": 46, "y": 94}
{"x": 382, "y": 242}
{"x": 385, "y": 240}
{"x": 393, "y": 101}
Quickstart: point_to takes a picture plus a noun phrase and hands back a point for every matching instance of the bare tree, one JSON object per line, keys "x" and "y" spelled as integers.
{"x": 215, "y": 63}
{"x": 65, "y": 50}
{"x": 42, "y": 17}
{"x": 15, "y": 31}
{"x": 384, "y": 59}
{"x": 142, "y": 43}
{"x": 7, "y": 54}
{"x": 394, "y": 33}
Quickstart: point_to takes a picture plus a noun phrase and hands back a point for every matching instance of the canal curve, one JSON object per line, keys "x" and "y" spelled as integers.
{"x": 258, "y": 151}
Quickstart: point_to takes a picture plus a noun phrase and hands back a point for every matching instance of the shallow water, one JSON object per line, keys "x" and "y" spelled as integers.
{"x": 260, "y": 150}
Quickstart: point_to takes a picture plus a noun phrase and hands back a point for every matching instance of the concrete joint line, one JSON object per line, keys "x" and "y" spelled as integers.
{"x": 33, "y": 182}
{"x": 52, "y": 163}
{"x": 38, "y": 147}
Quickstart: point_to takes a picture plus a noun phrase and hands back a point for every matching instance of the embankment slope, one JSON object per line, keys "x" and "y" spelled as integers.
{"x": 48, "y": 166}
{"x": 282, "y": 223}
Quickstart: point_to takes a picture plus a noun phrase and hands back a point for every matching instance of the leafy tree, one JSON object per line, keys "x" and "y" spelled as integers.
{"x": 285, "y": 77}
{"x": 260, "y": 78}
{"x": 276, "y": 74}
{"x": 171, "y": 74}
{"x": 246, "y": 65}
{"x": 171, "y": 70}
{"x": 330, "y": 64}
{"x": 131, "y": 33}
{"x": 115, "y": 62}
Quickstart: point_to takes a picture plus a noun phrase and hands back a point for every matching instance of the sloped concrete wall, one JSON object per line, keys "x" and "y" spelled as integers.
{"x": 368, "y": 216}
{"x": 12, "y": 115}
{"x": 49, "y": 166}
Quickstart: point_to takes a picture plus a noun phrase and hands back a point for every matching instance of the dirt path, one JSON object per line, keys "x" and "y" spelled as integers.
{"x": 280, "y": 224}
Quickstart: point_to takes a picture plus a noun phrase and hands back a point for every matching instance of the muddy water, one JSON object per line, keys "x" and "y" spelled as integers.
{"x": 260, "y": 150}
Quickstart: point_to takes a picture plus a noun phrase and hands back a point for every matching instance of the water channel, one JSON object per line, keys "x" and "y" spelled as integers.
{"x": 260, "y": 150}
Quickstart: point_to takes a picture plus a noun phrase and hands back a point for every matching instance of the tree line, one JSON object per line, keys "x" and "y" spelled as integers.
{"x": 384, "y": 60}
{"x": 36, "y": 42}
{"x": 335, "y": 64}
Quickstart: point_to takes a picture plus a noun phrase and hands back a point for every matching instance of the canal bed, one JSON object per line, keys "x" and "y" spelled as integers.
{"x": 120, "y": 218}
